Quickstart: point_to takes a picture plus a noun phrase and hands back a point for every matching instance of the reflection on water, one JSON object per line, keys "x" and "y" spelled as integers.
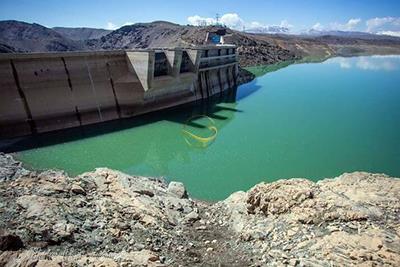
{"x": 152, "y": 141}
{"x": 384, "y": 62}
{"x": 193, "y": 135}
{"x": 259, "y": 71}
{"x": 181, "y": 115}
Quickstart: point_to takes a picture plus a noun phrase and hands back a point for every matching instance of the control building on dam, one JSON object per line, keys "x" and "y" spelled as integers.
{"x": 42, "y": 92}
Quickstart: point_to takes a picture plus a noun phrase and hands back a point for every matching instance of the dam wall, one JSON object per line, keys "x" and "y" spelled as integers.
{"x": 42, "y": 92}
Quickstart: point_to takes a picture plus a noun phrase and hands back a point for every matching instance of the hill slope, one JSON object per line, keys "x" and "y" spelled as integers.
{"x": 26, "y": 37}
{"x": 80, "y": 34}
{"x": 253, "y": 49}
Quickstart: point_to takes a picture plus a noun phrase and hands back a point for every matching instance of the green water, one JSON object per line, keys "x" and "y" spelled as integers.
{"x": 305, "y": 120}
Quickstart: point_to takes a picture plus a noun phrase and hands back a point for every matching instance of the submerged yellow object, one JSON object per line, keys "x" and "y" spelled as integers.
{"x": 196, "y": 140}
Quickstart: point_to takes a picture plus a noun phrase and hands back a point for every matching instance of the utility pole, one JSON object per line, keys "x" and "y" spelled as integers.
{"x": 217, "y": 19}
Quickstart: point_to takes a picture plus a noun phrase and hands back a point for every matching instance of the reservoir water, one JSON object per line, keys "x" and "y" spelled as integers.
{"x": 311, "y": 120}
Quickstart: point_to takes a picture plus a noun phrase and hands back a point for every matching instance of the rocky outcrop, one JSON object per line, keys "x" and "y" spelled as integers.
{"x": 108, "y": 218}
{"x": 350, "y": 220}
{"x": 10, "y": 169}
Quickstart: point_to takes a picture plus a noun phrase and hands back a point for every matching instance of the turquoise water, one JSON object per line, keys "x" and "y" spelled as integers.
{"x": 307, "y": 120}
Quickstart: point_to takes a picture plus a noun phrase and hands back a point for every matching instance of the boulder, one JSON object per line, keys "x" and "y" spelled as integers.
{"x": 177, "y": 189}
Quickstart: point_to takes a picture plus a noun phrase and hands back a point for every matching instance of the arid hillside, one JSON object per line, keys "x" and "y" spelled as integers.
{"x": 254, "y": 49}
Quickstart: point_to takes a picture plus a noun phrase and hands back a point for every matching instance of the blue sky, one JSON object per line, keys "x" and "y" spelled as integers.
{"x": 295, "y": 15}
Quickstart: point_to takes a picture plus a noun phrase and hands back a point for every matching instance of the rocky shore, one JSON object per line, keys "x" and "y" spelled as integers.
{"x": 107, "y": 218}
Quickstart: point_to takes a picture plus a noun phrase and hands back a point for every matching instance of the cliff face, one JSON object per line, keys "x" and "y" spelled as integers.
{"x": 110, "y": 218}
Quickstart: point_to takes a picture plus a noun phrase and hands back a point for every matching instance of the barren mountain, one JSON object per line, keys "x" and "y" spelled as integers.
{"x": 79, "y": 34}
{"x": 253, "y": 49}
{"x": 141, "y": 35}
{"x": 26, "y": 37}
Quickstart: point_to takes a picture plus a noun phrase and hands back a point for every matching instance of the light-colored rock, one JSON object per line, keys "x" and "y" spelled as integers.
{"x": 114, "y": 219}
{"x": 177, "y": 189}
{"x": 336, "y": 217}
{"x": 30, "y": 258}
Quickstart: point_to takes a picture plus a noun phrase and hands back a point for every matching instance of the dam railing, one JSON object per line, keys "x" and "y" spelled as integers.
{"x": 42, "y": 92}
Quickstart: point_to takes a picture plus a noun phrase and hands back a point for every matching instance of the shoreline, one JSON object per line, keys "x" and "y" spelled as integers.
{"x": 108, "y": 217}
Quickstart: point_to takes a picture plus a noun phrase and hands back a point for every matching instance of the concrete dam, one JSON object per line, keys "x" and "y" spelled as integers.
{"x": 42, "y": 92}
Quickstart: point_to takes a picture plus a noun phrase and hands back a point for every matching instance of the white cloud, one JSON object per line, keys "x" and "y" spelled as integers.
{"x": 285, "y": 24}
{"x": 234, "y": 21}
{"x": 256, "y": 24}
{"x": 127, "y": 23}
{"x": 196, "y": 20}
{"x": 350, "y": 25}
{"x": 392, "y": 33}
{"x": 231, "y": 20}
{"x": 384, "y": 25}
{"x": 317, "y": 27}
{"x": 112, "y": 26}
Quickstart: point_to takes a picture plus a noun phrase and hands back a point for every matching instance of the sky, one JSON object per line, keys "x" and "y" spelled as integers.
{"x": 292, "y": 16}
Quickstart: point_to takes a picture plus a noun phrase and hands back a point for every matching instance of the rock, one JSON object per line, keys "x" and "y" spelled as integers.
{"x": 38, "y": 206}
{"x": 48, "y": 263}
{"x": 62, "y": 230}
{"x": 125, "y": 220}
{"x": 177, "y": 189}
{"x": 293, "y": 262}
{"x": 10, "y": 169}
{"x": 10, "y": 242}
{"x": 78, "y": 189}
{"x": 145, "y": 192}
{"x": 279, "y": 197}
{"x": 192, "y": 217}
{"x": 153, "y": 258}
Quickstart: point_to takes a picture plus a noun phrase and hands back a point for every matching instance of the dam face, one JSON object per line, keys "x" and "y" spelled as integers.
{"x": 42, "y": 92}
